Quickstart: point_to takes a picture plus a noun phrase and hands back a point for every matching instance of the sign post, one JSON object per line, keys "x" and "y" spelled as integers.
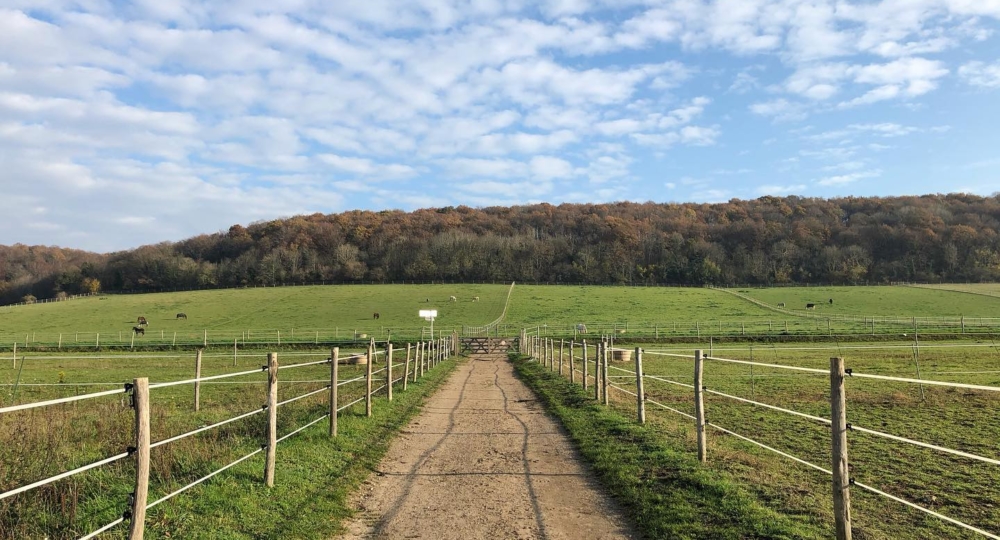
{"x": 429, "y": 315}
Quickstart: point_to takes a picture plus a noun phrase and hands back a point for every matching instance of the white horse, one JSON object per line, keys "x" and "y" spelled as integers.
{"x": 475, "y": 298}
{"x": 452, "y": 299}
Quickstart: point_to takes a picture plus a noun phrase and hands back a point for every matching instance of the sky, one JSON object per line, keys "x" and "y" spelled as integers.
{"x": 132, "y": 123}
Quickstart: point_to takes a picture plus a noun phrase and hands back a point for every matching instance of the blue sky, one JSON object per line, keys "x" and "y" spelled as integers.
{"x": 129, "y": 123}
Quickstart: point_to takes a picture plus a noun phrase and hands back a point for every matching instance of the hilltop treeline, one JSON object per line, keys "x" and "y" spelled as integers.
{"x": 765, "y": 241}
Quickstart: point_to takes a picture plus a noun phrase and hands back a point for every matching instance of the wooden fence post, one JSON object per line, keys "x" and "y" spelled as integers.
{"x": 640, "y": 400}
{"x": 236, "y": 342}
{"x": 562, "y": 345}
{"x": 197, "y": 382}
{"x": 597, "y": 371}
{"x": 272, "y": 417}
{"x": 334, "y": 376}
{"x": 406, "y": 368}
{"x": 388, "y": 372}
{"x": 572, "y": 364}
{"x": 604, "y": 373}
{"x": 699, "y": 405}
{"x": 585, "y": 361}
{"x": 841, "y": 473}
{"x": 14, "y": 356}
{"x": 420, "y": 361}
{"x": 368, "y": 378}
{"x": 140, "y": 395}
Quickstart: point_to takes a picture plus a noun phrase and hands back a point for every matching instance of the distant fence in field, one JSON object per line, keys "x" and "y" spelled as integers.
{"x": 551, "y": 353}
{"x": 426, "y": 356}
{"x": 491, "y": 327}
{"x": 235, "y": 339}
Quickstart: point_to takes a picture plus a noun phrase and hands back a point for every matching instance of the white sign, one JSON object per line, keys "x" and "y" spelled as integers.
{"x": 428, "y": 313}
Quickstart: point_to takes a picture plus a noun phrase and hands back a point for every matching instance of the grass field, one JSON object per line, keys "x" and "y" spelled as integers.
{"x": 36, "y": 444}
{"x": 557, "y": 304}
{"x": 325, "y": 312}
{"x": 879, "y": 301}
{"x": 955, "y": 418}
{"x": 318, "y": 314}
{"x": 987, "y": 289}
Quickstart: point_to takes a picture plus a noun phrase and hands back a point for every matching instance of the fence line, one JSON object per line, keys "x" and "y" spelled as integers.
{"x": 537, "y": 350}
{"x": 144, "y": 447}
{"x": 490, "y": 326}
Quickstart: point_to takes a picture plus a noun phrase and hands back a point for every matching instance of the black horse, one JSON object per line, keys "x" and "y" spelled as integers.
{"x": 182, "y": 316}
{"x": 375, "y": 315}
{"x": 138, "y": 330}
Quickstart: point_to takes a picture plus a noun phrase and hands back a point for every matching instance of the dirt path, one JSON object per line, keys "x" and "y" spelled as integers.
{"x": 483, "y": 460}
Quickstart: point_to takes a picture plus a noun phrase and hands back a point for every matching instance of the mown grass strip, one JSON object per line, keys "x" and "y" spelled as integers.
{"x": 314, "y": 478}
{"x": 659, "y": 484}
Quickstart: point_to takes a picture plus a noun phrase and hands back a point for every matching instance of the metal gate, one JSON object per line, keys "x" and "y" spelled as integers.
{"x": 488, "y": 345}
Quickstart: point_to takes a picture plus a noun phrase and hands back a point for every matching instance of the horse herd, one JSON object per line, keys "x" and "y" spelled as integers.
{"x": 810, "y": 305}
{"x": 141, "y": 323}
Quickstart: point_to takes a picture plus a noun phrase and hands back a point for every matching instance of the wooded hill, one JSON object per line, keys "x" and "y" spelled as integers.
{"x": 768, "y": 240}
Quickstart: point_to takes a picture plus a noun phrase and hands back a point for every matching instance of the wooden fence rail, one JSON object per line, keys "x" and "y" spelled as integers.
{"x": 537, "y": 349}
{"x": 139, "y": 389}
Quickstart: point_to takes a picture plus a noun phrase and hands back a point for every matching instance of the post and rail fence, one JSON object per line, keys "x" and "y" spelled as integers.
{"x": 139, "y": 389}
{"x": 537, "y": 348}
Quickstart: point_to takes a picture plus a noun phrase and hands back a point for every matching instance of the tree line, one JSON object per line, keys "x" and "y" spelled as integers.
{"x": 770, "y": 240}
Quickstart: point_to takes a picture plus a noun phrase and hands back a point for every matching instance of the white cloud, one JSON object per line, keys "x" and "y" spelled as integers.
{"x": 550, "y": 168}
{"x": 850, "y": 178}
{"x": 780, "y": 190}
{"x": 779, "y": 109}
{"x": 269, "y": 109}
{"x": 981, "y": 74}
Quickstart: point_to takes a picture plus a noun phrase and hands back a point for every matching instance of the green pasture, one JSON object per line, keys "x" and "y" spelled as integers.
{"x": 532, "y": 305}
{"x": 880, "y": 301}
{"x": 326, "y": 312}
{"x": 987, "y": 289}
{"x": 955, "y": 418}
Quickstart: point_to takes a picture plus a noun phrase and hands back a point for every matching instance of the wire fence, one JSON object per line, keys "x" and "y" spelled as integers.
{"x": 604, "y": 377}
{"x": 492, "y": 326}
{"x": 427, "y": 355}
{"x": 235, "y": 339}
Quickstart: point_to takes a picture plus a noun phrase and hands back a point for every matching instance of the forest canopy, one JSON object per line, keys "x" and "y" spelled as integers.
{"x": 770, "y": 240}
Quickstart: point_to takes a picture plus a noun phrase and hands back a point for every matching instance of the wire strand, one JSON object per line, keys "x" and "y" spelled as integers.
{"x": 60, "y": 476}
{"x": 203, "y": 478}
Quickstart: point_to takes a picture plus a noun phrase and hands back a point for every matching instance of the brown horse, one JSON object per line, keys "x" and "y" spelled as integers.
{"x": 138, "y": 330}
{"x": 142, "y": 321}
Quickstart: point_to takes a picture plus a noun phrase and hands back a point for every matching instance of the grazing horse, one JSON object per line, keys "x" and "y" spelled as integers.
{"x": 142, "y": 321}
{"x": 375, "y": 315}
{"x": 182, "y": 316}
{"x": 139, "y": 330}
{"x": 475, "y": 298}
{"x": 452, "y": 299}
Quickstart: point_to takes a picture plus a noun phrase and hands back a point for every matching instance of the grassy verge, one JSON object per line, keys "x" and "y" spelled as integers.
{"x": 314, "y": 474}
{"x": 657, "y": 480}
{"x": 314, "y": 477}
